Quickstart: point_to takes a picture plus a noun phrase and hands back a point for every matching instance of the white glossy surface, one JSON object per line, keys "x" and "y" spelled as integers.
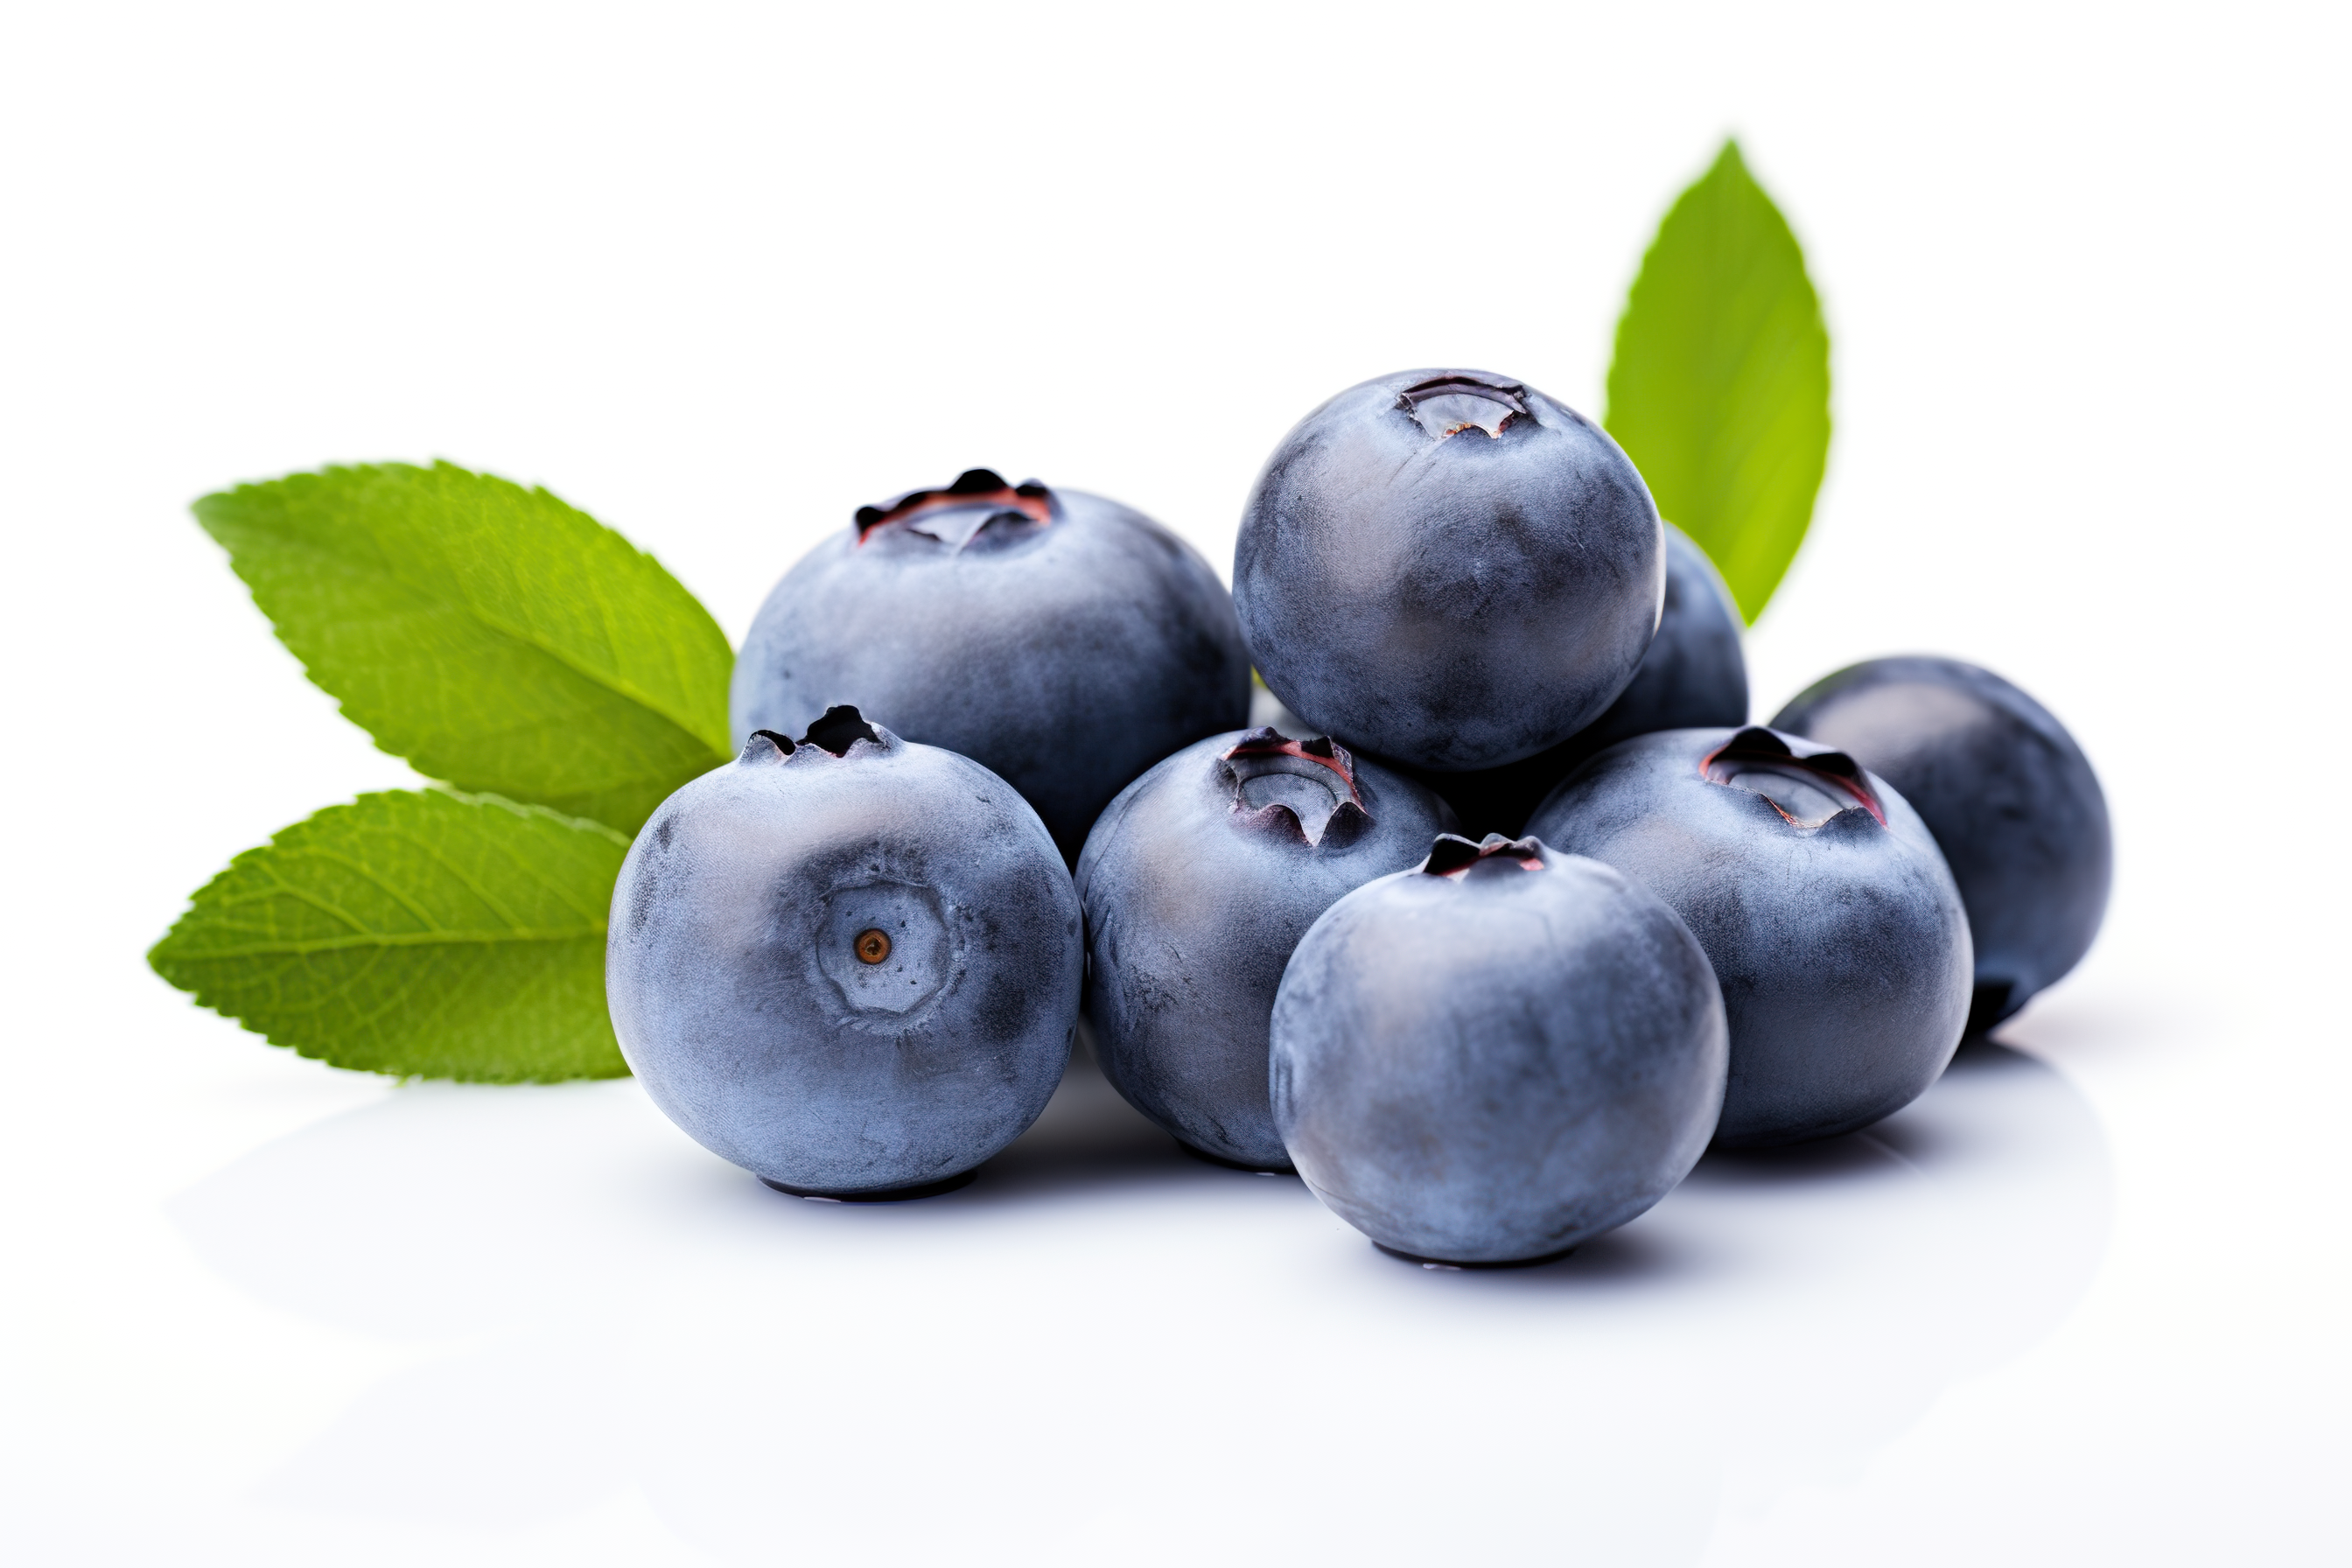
{"x": 719, "y": 277}
{"x": 636, "y": 1317}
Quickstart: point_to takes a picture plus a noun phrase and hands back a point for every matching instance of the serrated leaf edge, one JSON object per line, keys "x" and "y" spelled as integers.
{"x": 719, "y": 749}
{"x": 197, "y": 995}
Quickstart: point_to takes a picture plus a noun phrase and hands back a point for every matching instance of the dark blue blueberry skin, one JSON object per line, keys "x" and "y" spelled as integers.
{"x": 1197, "y": 882}
{"x": 1449, "y": 569}
{"x": 1694, "y": 676}
{"x": 755, "y": 1001}
{"x": 1822, "y": 901}
{"x": 1497, "y": 1055}
{"x": 1063, "y": 641}
{"x": 2008, "y": 795}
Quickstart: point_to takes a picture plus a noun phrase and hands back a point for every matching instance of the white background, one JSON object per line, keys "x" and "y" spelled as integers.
{"x": 721, "y": 275}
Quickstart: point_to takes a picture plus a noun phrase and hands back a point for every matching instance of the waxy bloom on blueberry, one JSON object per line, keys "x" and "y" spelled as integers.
{"x": 1448, "y": 568}
{"x": 849, "y": 964}
{"x": 1695, "y": 674}
{"x": 1492, "y": 1057}
{"x": 1822, "y": 901}
{"x": 1197, "y": 883}
{"x": 2007, "y": 792}
{"x": 1060, "y": 640}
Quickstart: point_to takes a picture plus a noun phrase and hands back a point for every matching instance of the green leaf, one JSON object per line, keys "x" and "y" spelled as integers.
{"x": 419, "y": 933}
{"x": 491, "y": 635}
{"x": 1720, "y": 390}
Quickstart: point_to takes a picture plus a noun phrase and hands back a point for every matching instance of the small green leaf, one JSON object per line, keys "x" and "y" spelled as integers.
{"x": 1720, "y": 390}
{"x": 491, "y": 635}
{"x": 418, "y": 932}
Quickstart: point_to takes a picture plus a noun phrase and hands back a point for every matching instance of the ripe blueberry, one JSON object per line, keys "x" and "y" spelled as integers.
{"x": 1060, "y": 640}
{"x": 1448, "y": 568}
{"x": 2008, "y": 795}
{"x": 1694, "y": 676}
{"x": 1495, "y": 1056}
{"x": 1822, "y": 901}
{"x": 1197, "y": 882}
{"x": 850, "y": 966}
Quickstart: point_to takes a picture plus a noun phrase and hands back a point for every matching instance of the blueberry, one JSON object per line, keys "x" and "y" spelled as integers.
{"x": 849, "y": 965}
{"x": 1063, "y": 641}
{"x": 1449, "y": 569}
{"x": 1822, "y": 901}
{"x": 1693, "y": 676}
{"x": 1494, "y": 1057}
{"x": 2008, "y": 795}
{"x": 1197, "y": 882}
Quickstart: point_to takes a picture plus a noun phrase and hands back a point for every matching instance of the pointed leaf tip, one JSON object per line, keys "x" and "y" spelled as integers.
{"x": 1719, "y": 389}
{"x": 489, "y": 632}
{"x": 416, "y": 932}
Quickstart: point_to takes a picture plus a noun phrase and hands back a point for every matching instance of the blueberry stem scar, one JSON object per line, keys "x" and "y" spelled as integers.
{"x": 1760, "y": 749}
{"x": 974, "y": 488}
{"x": 838, "y": 729}
{"x": 1270, "y": 742}
{"x": 1451, "y": 855}
{"x": 1449, "y": 404}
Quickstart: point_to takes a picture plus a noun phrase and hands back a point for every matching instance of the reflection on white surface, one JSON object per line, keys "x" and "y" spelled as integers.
{"x": 1106, "y": 1351}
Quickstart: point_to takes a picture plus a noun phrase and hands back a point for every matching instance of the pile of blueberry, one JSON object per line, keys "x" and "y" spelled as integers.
{"x": 1489, "y": 943}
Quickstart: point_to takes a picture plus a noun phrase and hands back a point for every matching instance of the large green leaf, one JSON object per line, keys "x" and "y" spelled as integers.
{"x": 1720, "y": 390}
{"x": 417, "y": 933}
{"x": 491, "y": 635}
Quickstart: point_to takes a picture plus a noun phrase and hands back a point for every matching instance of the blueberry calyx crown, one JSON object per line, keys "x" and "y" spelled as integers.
{"x": 956, "y": 515}
{"x": 1304, "y": 787}
{"x": 1449, "y": 404}
{"x": 1806, "y": 790}
{"x": 834, "y": 731}
{"x": 1452, "y": 856}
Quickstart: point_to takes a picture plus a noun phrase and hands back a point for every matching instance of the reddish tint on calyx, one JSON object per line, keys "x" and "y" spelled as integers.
{"x": 1806, "y": 790}
{"x": 1455, "y": 856}
{"x": 1310, "y": 785}
{"x": 974, "y": 488}
{"x": 1322, "y": 750}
